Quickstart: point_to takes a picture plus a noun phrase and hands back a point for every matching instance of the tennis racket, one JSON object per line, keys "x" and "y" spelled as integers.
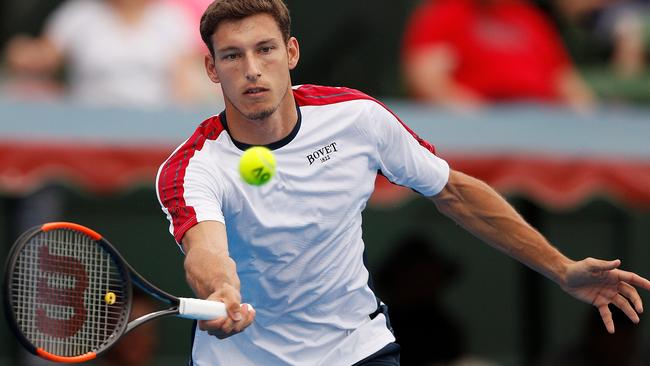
{"x": 68, "y": 294}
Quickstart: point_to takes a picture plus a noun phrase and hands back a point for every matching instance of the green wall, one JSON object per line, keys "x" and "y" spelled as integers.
{"x": 507, "y": 313}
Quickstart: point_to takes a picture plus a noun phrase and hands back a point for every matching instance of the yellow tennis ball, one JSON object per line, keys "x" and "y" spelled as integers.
{"x": 110, "y": 298}
{"x": 257, "y": 165}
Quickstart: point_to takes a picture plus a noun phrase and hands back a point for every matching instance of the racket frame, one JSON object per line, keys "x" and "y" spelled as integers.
{"x": 129, "y": 275}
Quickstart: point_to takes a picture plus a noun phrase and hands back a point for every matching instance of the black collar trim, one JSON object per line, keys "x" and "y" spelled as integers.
{"x": 272, "y": 146}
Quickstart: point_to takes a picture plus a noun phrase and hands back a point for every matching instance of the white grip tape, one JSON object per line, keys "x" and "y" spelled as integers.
{"x": 200, "y": 309}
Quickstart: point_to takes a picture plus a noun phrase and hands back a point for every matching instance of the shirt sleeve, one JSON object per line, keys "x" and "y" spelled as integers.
{"x": 188, "y": 191}
{"x": 402, "y": 156}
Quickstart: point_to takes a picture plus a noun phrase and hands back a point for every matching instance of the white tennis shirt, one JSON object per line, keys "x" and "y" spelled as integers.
{"x": 297, "y": 240}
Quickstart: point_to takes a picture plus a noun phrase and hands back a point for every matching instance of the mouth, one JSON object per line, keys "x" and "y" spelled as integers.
{"x": 257, "y": 91}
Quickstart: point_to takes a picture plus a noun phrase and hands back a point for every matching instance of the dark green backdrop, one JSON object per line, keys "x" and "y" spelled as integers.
{"x": 507, "y": 313}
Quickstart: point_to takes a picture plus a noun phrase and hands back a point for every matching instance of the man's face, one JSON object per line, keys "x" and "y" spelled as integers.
{"x": 252, "y": 63}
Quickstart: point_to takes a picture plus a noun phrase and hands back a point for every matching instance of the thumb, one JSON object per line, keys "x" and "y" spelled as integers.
{"x": 234, "y": 311}
{"x": 598, "y": 265}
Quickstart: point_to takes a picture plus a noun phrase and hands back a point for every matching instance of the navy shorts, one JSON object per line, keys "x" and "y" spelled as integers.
{"x": 387, "y": 356}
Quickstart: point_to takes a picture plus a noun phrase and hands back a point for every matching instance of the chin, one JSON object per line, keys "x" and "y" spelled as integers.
{"x": 260, "y": 115}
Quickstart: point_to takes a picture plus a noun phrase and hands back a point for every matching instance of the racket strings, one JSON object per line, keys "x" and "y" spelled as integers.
{"x": 59, "y": 293}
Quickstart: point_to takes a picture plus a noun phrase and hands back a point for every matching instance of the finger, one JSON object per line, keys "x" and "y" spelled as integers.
{"x": 251, "y": 313}
{"x": 235, "y": 313}
{"x": 598, "y": 265}
{"x": 248, "y": 314}
{"x": 229, "y": 327}
{"x": 221, "y": 328}
{"x": 634, "y": 279}
{"x": 246, "y": 311}
{"x": 241, "y": 324}
{"x": 207, "y": 325}
{"x": 233, "y": 306}
{"x": 231, "y": 299}
{"x": 625, "y": 306}
{"x": 606, "y": 315}
{"x": 632, "y": 295}
{"x": 221, "y": 335}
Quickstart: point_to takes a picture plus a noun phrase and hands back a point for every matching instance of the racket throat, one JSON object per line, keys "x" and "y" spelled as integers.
{"x": 145, "y": 318}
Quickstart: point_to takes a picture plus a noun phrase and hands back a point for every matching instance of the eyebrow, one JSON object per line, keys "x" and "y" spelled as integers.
{"x": 260, "y": 43}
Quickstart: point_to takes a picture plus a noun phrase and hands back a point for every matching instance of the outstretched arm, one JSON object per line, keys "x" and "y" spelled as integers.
{"x": 479, "y": 209}
{"x": 429, "y": 75}
{"x": 212, "y": 275}
{"x": 33, "y": 55}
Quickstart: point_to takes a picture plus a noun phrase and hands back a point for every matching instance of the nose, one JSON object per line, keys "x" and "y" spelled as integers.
{"x": 253, "y": 71}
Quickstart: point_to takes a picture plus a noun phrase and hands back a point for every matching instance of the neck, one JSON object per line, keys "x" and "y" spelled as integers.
{"x": 263, "y": 132}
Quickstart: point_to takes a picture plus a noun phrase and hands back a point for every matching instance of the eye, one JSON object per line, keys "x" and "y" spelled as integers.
{"x": 266, "y": 49}
{"x": 230, "y": 56}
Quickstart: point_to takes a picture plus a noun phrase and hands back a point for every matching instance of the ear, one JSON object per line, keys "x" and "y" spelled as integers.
{"x": 210, "y": 69}
{"x": 293, "y": 52}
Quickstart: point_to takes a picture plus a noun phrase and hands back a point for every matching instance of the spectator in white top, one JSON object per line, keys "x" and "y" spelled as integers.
{"x": 114, "y": 52}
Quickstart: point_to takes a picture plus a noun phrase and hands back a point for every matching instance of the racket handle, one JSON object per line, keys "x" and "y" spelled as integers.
{"x": 200, "y": 309}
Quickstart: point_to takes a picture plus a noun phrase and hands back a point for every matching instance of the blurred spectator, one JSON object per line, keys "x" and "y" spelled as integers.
{"x": 115, "y": 52}
{"x": 413, "y": 280}
{"x": 611, "y": 39}
{"x": 194, "y": 10}
{"x": 485, "y": 51}
{"x": 205, "y": 90}
{"x": 626, "y": 24}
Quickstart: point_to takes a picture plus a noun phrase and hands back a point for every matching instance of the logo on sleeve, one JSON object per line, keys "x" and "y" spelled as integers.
{"x": 323, "y": 154}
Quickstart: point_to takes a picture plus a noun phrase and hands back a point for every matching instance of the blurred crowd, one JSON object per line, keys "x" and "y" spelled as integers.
{"x": 573, "y": 53}
{"x": 460, "y": 54}
{"x": 474, "y": 52}
{"x": 132, "y": 53}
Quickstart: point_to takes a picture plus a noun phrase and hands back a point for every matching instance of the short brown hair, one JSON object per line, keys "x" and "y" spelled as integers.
{"x": 221, "y": 10}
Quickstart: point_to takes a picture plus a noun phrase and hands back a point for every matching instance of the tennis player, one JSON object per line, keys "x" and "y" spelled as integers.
{"x": 293, "y": 248}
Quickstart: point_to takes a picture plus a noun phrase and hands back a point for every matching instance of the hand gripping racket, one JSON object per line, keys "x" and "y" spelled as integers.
{"x": 68, "y": 294}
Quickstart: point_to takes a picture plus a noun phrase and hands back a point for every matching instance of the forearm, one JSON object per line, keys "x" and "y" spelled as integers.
{"x": 573, "y": 91}
{"x": 207, "y": 273}
{"x": 429, "y": 74}
{"x": 33, "y": 55}
{"x": 208, "y": 266}
{"x": 483, "y": 212}
{"x": 212, "y": 274}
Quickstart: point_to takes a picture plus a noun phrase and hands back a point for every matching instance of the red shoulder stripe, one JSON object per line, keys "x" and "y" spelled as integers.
{"x": 308, "y": 94}
{"x": 172, "y": 176}
{"x": 424, "y": 143}
{"x": 315, "y": 95}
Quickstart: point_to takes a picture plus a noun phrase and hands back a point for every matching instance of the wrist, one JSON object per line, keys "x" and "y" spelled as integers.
{"x": 223, "y": 285}
{"x": 560, "y": 270}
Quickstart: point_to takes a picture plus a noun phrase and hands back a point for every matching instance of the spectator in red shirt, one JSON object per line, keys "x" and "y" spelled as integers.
{"x": 487, "y": 51}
